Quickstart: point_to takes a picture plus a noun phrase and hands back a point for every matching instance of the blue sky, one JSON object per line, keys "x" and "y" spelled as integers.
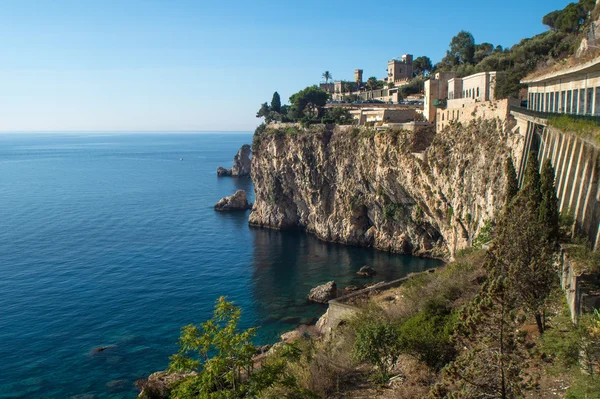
{"x": 166, "y": 65}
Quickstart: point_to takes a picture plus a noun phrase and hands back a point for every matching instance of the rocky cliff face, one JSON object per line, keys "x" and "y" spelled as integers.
{"x": 416, "y": 193}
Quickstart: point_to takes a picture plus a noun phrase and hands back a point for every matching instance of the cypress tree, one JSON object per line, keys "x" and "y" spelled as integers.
{"x": 532, "y": 182}
{"x": 512, "y": 184}
{"x": 548, "y": 212}
{"x": 276, "y": 103}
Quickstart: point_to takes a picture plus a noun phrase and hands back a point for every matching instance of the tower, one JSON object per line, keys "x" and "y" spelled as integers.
{"x": 358, "y": 77}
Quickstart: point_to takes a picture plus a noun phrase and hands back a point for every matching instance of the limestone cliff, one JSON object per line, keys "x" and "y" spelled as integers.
{"x": 417, "y": 193}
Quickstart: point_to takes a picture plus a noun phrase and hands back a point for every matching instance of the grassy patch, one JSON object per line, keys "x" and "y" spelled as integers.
{"x": 581, "y": 127}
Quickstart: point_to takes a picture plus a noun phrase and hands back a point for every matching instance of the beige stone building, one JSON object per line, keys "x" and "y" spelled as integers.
{"x": 400, "y": 71}
{"x": 374, "y": 116}
{"x": 574, "y": 90}
{"x": 449, "y": 98}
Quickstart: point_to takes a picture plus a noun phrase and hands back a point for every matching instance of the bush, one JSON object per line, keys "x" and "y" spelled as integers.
{"x": 427, "y": 334}
{"x": 377, "y": 343}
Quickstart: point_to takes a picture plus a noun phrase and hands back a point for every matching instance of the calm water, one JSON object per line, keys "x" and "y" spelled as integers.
{"x": 111, "y": 240}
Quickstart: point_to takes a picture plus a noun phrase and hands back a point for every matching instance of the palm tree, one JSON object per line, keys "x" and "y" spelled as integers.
{"x": 327, "y": 76}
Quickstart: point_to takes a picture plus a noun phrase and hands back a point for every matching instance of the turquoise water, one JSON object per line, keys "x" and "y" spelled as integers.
{"x": 111, "y": 240}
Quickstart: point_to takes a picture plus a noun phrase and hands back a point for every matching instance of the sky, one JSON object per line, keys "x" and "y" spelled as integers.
{"x": 184, "y": 65}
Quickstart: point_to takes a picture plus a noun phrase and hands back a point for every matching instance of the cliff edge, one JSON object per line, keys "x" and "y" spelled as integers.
{"x": 416, "y": 193}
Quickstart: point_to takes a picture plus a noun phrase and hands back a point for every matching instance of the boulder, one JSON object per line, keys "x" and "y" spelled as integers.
{"x": 235, "y": 202}
{"x": 221, "y": 171}
{"x": 158, "y": 385}
{"x": 241, "y": 164}
{"x": 323, "y": 293}
{"x": 366, "y": 271}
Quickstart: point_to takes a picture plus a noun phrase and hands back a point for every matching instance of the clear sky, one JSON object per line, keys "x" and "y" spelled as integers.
{"x": 208, "y": 65}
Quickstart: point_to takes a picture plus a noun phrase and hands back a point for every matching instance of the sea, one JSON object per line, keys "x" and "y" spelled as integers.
{"x": 110, "y": 240}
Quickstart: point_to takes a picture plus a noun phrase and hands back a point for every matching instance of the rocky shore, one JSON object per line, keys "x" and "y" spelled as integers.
{"x": 242, "y": 164}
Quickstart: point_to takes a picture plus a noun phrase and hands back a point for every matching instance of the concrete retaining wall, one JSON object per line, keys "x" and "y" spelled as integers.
{"x": 581, "y": 290}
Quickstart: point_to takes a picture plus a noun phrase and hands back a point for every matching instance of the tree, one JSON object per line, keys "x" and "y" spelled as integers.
{"x": 338, "y": 115}
{"x": 307, "y": 102}
{"x": 532, "y": 184}
{"x": 276, "y": 103}
{"x": 264, "y": 112}
{"x": 548, "y": 212}
{"x": 220, "y": 354}
{"x": 482, "y": 51}
{"x": 491, "y": 363}
{"x": 512, "y": 184}
{"x": 327, "y": 76}
{"x": 422, "y": 65}
{"x": 462, "y": 48}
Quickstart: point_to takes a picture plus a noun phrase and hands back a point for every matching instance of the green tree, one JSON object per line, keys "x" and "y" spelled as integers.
{"x": 491, "y": 363}
{"x": 512, "y": 184}
{"x": 276, "y": 103}
{"x": 422, "y": 65}
{"x": 218, "y": 352}
{"x": 327, "y": 76}
{"x": 338, "y": 115}
{"x": 532, "y": 184}
{"x": 548, "y": 213}
{"x": 482, "y": 51}
{"x": 265, "y": 112}
{"x": 377, "y": 343}
{"x": 307, "y": 102}
{"x": 462, "y": 48}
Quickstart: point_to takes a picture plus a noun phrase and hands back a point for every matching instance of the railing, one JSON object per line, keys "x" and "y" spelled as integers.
{"x": 550, "y": 115}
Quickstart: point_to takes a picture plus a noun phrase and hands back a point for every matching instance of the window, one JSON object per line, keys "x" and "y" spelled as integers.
{"x": 551, "y": 103}
{"x": 581, "y": 101}
{"x": 597, "y": 112}
{"x": 556, "y": 107}
{"x": 575, "y": 101}
{"x": 541, "y": 102}
{"x": 569, "y": 99}
{"x": 589, "y": 101}
{"x": 478, "y": 92}
{"x": 563, "y": 97}
{"x": 547, "y": 108}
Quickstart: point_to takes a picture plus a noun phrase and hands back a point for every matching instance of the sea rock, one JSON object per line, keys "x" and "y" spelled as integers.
{"x": 221, "y": 171}
{"x": 323, "y": 293}
{"x": 366, "y": 271}
{"x": 322, "y": 323}
{"x": 291, "y": 336}
{"x": 158, "y": 385}
{"x": 235, "y": 202}
{"x": 350, "y": 288}
{"x": 241, "y": 164}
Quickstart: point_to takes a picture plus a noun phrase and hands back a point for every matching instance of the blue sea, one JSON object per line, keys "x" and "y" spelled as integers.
{"x": 110, "y": 240}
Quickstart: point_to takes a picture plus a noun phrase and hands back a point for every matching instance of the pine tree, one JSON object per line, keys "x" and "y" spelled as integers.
{"x": 531, "y": 181}
{"x": 493, "y": 357}
{"x": 276, "y": 103}
{"x": 548, "y": 212}
{"x": 512, "y": 184}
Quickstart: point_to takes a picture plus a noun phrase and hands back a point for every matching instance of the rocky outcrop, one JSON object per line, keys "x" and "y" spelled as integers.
{"x": 408, "y": 192}
{"x": 241, "y": 164}
{"x": 159, "y": 385}
{"x": 323, "y": 293}
{"x": 235, "y": 202}
{"x": 366, "y": 271}
{"x": 221, "y": 171}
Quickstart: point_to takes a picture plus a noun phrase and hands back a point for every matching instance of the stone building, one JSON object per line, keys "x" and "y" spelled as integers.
{"x": 574, "y": 90}
{"x": 400, "y": 71}
{"x": 449, "y": 98}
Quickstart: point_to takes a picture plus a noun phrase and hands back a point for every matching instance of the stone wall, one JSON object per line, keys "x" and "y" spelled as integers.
{"x": 465, "y": 110}
{"x": 582, "y": 290}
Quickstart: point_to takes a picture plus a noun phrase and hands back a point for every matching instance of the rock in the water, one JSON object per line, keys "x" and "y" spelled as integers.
{"x": 350, "y": 288}
{"x": 235, "y": 202}
{"x": 366, "y": 271}
{"x": 323, "y": 293}
{"x": 221, "y": 171}
{"x": 241, "y": 164}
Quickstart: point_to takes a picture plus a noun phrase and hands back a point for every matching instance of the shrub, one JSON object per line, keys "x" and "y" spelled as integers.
{"x": 377, "y": 343}
{"x": 486, "y": 234}
{"x": 427, "y": 334}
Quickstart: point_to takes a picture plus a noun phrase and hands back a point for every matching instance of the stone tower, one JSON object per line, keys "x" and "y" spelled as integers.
{"x": 358, "y": 77}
